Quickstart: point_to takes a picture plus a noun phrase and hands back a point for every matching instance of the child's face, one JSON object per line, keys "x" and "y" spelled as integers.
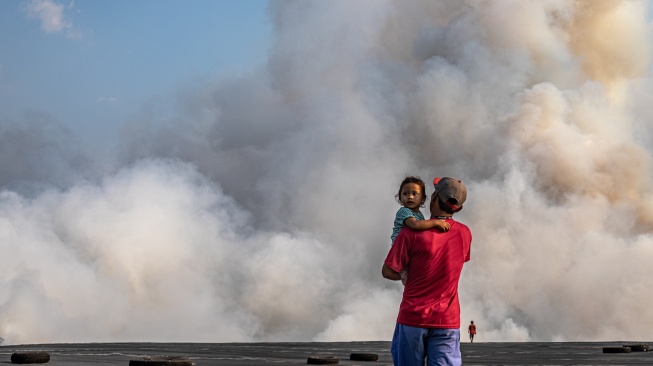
{"x": 411, "y": 196}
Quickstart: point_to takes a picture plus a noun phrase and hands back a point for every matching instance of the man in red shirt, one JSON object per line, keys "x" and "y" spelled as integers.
{"x": 428, "y": 324}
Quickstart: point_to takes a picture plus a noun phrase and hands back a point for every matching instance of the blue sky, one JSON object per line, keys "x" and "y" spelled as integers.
{"x": 90, "y": 65}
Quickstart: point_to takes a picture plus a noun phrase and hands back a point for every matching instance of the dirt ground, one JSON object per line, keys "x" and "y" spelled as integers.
{"x": 233, "y": 354}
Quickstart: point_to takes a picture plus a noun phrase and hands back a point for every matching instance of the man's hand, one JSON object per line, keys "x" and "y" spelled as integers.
{"x": 390, "y": 273}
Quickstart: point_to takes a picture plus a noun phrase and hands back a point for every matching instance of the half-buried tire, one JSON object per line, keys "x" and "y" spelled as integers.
{"x": 30, "y": 357}
{"x": 364, "y": 357}
{"x": 637, "y": 347}
{"x": 162, "y": 361}
{"x": 322, "y": 360}
{"x": 616, "y": 349}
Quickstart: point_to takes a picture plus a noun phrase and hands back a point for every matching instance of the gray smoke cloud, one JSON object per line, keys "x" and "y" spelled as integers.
{"x": 263, "y": 211}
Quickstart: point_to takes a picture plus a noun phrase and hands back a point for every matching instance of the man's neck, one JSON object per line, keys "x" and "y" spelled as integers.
{"x": 440, "y": 214}
{"x": 437, "y": 212}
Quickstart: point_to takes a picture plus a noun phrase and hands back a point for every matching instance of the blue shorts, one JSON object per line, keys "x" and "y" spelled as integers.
{"x": 411, "y": 346}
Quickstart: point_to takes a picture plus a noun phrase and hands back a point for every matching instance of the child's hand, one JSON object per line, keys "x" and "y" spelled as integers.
{"x": 442, "y": 225}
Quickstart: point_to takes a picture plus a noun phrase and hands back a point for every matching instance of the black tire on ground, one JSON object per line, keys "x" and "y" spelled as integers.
{"x": 30, "y": 357}
{"x": 322, "y": 360}
{"x": 364, "y": 357}
{"x": 637, "y": 347}
{"x": 616, "y": 349}
{"x": 162, "y": 361}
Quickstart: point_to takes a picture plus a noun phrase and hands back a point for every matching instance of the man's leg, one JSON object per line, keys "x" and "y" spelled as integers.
{"x": 443, "y": 347}
{"x": 408, "y": 346}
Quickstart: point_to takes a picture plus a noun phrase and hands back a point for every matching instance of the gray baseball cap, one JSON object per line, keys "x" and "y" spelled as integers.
{"x": 451, "y": 191}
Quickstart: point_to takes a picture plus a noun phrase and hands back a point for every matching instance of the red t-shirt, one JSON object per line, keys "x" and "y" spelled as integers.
{"x": 433, "y": 260}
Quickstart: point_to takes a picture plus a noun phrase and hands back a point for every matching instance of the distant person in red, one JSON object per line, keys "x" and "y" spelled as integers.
{"x": 428, "y": 324}
{"x": 471, "y": 330}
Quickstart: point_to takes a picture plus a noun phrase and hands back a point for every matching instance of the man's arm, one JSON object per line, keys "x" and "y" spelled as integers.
{"x": 390, "y": 273}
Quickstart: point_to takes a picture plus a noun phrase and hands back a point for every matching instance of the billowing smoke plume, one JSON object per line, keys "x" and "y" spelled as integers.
{"x": 263, "y": 211}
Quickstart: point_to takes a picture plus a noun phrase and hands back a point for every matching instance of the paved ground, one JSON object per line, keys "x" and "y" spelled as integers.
{"x": 235, "y": 354}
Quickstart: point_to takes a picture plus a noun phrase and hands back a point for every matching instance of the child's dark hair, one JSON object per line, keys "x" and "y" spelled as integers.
{"x": 416, "y": 180}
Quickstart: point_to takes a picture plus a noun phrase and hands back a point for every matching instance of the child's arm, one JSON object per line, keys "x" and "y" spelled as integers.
{"x": 419, "y": 225}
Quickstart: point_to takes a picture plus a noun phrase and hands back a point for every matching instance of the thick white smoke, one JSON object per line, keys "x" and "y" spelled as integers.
{"x": 263, "y": 212}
